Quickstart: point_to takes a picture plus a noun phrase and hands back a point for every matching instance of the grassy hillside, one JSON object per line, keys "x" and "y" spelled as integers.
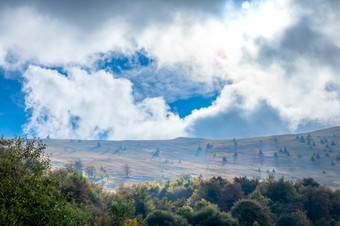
{"x": 314, "y": 154}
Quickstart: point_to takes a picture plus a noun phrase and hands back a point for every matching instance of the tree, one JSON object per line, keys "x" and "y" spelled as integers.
{"x": 286, "y": 220}
{"x": 280, "y": 190}
{"x": 318, "y": 202}
{"x": 309, "y": 182}
{"x": 285, "y": 150}
{"x": 121, "y": 212}
{"x": 185, "y": 212}
{"x": 260, "y": 154}
{"x": 333, "y": 143}
{"x": 247, "y": 185}
{"x": 302, "y": 139}
{"x": 211, "y": 215}
{"x": 235, "y": 142}
{"x": 230, "y": 193}
{"x": 90, "y": 170}
{"x": 126, "y": 170}
{"x": 249, "y": 211}
{"x": 301, "y": 218}
{"x": 198, "y": 150}
{"x": 167, "y": 218}
{"x": 224, "y": 160}
{"x": 209, "y": 147}
{"x": 29, "y": 196}
{"x": 78, "y": 165}
{"x": 156, "y": 153}
{"x": 142, "y": 200}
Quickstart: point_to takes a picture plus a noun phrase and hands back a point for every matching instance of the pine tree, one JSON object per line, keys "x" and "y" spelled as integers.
{"x": 224, "y": 160}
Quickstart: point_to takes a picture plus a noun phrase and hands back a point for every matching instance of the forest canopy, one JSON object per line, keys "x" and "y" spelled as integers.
{"x": 31, "y": 193}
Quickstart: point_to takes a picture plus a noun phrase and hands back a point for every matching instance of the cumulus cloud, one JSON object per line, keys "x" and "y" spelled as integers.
{"x": 271, "y": 64}
{"x": 92, "y": 106}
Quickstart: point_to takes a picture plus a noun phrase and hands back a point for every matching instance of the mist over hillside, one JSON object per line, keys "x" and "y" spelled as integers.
{"x": 293, "y": 156}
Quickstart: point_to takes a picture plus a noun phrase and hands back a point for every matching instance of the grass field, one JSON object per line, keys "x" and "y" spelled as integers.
{"x": 315, "y": 155}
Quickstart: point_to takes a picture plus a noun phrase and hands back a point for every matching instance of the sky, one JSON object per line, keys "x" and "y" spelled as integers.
{"x": 161, "y": 69}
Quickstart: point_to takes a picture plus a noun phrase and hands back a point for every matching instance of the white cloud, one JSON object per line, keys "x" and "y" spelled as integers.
{"x": 227, "y": 48}
{"x": 38, "y": 38}
{"x": 299, "y": 99}
{"x": 88, "y": 105}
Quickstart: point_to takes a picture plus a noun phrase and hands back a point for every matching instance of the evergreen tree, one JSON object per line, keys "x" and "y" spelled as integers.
{"x": 224, "y": 160}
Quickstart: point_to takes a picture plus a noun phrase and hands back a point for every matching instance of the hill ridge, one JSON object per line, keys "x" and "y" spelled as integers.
{"x": 293, "y": 156}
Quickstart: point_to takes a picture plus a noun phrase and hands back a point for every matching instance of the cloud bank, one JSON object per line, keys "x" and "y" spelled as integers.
{"x": 274, "y": 66}
{"x": 80, "y": 109}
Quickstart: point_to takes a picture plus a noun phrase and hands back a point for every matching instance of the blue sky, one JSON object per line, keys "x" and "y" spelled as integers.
{"x": 166, "y": 69}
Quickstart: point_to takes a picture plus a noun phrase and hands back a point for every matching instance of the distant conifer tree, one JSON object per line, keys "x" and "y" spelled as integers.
{"x": 260, "y": 154}
{"x": 302, "y": 139}
{"x": 333, "y": 143}
{"x": 198, "y": 150}
{"x": 224, "y": 160}
{"x": 235, "y": 142}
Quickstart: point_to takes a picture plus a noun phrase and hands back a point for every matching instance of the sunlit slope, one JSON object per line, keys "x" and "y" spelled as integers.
{"x": 314, "y": 154}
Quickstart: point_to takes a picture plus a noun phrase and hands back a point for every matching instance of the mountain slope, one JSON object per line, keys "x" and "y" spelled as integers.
{"x": 314, "y": 154}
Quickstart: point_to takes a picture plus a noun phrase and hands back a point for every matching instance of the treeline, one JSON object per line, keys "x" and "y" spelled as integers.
{"x": 33, "y": 194}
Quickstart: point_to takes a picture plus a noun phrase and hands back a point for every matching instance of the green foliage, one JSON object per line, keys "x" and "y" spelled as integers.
{"x": 161, "y": 217}
{"x": 286, "y": 220}
{"x": 32, "y": 193}
{"x": 321, "y": 202}
{"x": 208, "y": 189}
{"x": 229, "y": 194}
{"x": 120, "y": 212}
{"x": 249, "y": 211}
{"x": 185, "y": 212}
{"x": 211, "y": 215}
{"x": 309, "y": 182}
{"x": 28, "y": 196}
{"x": 143, "y": 203}
{"x": 280, "y": 190}
{"x": 247, "y": 185}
